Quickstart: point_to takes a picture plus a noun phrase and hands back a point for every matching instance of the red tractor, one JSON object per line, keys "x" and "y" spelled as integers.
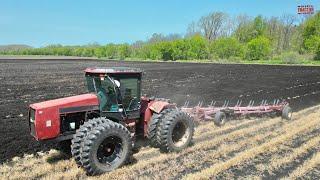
{"x": 102, "y": 126}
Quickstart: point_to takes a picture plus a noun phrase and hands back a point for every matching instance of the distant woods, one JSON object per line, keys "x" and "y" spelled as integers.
{"x": 214, "y": 36}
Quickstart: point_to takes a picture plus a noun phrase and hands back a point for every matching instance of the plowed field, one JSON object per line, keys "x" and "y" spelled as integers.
{"x": 244, "y": 148}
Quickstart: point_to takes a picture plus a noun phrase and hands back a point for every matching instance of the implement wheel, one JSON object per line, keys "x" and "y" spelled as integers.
{"x": 106, "y": 148}
{"x": 287, "y": 113}
{"x": 220, "y": 118}
{"x": 175, "y": 131}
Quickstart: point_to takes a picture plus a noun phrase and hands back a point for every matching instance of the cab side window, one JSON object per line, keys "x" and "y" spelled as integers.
{"x": 130, "y": 94}
{"x": 107, "y": 94}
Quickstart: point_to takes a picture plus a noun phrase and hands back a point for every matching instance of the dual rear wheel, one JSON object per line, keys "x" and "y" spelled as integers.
{"x": 171, "y": 130}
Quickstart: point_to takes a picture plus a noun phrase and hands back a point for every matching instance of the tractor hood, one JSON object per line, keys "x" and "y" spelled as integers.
{"x": 67, "y": 102}
{"x": 44, "y": 117}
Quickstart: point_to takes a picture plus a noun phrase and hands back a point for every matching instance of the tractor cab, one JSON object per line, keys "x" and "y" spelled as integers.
{"x": 118, "y": 90}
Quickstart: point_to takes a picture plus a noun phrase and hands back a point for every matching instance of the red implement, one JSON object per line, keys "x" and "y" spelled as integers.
{"x": 208, "y": 113}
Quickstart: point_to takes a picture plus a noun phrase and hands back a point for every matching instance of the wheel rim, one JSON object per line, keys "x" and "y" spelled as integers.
{"x": 109, "y": 150}
{"x": 223, "y": 119}
{"x": 180, "y": 134}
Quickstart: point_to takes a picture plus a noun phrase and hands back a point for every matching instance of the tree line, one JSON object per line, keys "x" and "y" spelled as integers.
{"x": 213, "y": 36}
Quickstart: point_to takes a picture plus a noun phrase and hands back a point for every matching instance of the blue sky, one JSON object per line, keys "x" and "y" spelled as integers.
{"x": 71, "y": 22}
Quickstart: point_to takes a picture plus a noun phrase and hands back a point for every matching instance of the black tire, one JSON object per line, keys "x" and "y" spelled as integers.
{"x": 220, "y": 118}
{"x": 153, "y": 127}
{"x": 175, "y": 131}
{"x": 287, "y": 113}
{"x": 78, "y": 138}
{"x": 65, "y": 147}
{"x": 106, "y": 148}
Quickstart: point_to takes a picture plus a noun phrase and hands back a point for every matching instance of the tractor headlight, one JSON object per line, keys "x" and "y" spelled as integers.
{"x": 32, "y": 115}
{"x": 32, "y": 118}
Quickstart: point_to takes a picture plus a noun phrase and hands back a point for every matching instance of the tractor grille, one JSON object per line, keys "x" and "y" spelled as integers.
{"x": 32, "y": 121}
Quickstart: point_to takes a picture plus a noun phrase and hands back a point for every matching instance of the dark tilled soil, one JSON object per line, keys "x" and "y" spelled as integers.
{"x": 27, "y": 81}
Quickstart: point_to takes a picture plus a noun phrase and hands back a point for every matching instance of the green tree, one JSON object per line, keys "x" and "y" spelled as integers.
{"x": 166, "y": 50}
{"x": 180, "y": 49}
{"x": 198, "y": 47}
{"x": 312, "y": 43}
{"x": 123, "y": 51}
{"x": 258, "y": 48}
{"x": 100, "y": 52}
{"x": 111, "y": 51}
{"x": 225, "y": 48}
{"x": 311, "y": 27}
{"x": 259, "y": 26}
{"x": 311, "y": 35}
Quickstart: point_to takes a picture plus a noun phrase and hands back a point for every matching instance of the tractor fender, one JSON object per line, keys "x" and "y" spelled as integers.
{"x": 158, "y": 106}
{"x": 153, "y": 107}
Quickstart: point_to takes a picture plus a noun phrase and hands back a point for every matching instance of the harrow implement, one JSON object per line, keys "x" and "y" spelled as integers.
{"x": 220, "y": 114}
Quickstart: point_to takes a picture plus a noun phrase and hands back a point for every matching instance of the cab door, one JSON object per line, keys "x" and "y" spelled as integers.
{"x": 130, "y": 95}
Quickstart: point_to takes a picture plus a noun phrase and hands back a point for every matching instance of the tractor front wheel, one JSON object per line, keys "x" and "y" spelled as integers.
{"x": 175, "y": 131}
{"x": 81, "y": 134}
{"x": 107, "y": 147}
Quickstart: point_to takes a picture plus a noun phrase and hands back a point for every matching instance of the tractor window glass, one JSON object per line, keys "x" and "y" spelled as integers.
{"x": 105, "y": 91}
{"x": 90, "y": 84}
{"x": 108, "y": 96}
{"x": 130, "y": 93}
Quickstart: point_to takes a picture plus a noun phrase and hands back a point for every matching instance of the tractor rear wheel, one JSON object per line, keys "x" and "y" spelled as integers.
{"x": 220, "y": 118}
{"x": 153, "y": 127}
{"x": 175, "y": 131}
{"x": 106, "y": 148}
{"x": 287, "y": 113}
{"x": 81, "y": 134}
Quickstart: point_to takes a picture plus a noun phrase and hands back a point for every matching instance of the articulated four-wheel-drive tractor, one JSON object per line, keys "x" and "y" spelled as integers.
{"x": 102, "y": 125}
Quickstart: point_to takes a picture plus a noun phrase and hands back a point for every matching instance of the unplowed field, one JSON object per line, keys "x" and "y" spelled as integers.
{"x": 239, "y": 149}
{"x": 248, "y": 149}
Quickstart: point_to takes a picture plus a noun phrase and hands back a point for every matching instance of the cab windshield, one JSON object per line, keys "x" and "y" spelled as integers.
{"x": 95, "y": 84}
{"x": 105, "y": 90}
{"x": 127, "y": 92}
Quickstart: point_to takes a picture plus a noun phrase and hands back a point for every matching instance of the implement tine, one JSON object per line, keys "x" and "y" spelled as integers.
{"x": 211, "y": 103}
{"x": 186, "y": 104}
{"x": 249, "y": 103}
{"x": 227, "y": 103}
{"x": 252, "y": 103}
{"x": 240, "y": 103}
